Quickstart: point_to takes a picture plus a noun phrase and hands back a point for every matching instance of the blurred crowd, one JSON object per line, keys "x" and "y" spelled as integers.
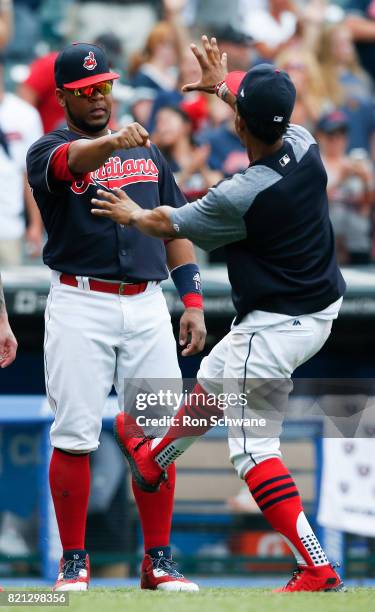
{"x": 327, "y": 48}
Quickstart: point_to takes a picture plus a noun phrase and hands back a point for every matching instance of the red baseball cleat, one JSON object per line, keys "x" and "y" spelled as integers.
{"x": 74, "y": 575}
{"x": 323, "y": 578}
{"x": 137, "y": 449}
{"x": 160, "y": 573}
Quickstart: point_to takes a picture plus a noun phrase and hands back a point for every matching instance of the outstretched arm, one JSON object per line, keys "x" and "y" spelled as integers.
{"x": 85, "y": 155}
{"x": 210, "y": 222}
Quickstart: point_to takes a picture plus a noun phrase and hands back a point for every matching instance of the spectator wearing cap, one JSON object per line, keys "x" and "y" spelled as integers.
{"x": 215, "y": 14}
{"x": 112, "y": 46}
{"x": 238, "y": 45}
{"x": 347, "y": 84}
{"x": 173, "y": 135}
{"x": 361, "y": 22}
{"x": 350, "y": 189}
{"x": 272, "y": 28}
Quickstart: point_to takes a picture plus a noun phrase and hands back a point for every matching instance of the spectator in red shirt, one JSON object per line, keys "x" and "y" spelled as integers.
{"x": 39, "y": 90}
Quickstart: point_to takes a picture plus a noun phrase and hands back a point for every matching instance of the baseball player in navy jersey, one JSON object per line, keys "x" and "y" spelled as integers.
{"x": 106, "y": 319}
{"x": 287, "y": 289}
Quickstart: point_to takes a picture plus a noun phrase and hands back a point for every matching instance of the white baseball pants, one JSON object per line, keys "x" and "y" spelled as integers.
{"x": 252, "y": 361}
{"x": 94, "y": 340}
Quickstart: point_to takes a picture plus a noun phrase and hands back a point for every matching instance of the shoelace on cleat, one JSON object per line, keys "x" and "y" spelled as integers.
{"x": 143, "y": 441}
{"x": 72, "y": 567}
{"x": 295, "y": 576}
{"x": 166, "y": 565}
{"x": 163, "y": 475}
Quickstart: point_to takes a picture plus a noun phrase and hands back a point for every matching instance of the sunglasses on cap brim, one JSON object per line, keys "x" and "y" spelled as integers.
{"x": 104, "y": 88}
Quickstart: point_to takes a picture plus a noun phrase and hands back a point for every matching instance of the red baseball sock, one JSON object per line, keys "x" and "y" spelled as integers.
{"x": 69, "y": 477}
{"x": 277, "y": 496}
{"x": 200, "y": 406}
{"x": 155, "y": 511}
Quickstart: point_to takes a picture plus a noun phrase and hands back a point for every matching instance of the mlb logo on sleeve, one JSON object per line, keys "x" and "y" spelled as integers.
{"x": 284, "y": 160}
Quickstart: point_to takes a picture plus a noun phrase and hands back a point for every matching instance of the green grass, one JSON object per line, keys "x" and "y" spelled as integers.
{"x": 215, "y": 600}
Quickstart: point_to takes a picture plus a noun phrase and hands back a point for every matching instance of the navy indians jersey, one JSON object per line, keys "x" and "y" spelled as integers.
{"x": 80, "y": 243}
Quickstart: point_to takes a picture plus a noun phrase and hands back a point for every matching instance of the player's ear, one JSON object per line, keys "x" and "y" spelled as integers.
{"x": 240, "y": 124}
{"x": 60, "y": 95}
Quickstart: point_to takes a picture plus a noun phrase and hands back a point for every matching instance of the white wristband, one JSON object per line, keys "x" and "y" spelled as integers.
{"x": 221, "y": 90}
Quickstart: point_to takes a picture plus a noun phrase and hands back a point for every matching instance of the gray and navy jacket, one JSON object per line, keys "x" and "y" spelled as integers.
{"x": 273, "y": 220}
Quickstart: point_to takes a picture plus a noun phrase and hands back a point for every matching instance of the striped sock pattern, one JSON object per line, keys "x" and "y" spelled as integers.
{"x": 278, "y": 498}
{"x": 274, "y": 490}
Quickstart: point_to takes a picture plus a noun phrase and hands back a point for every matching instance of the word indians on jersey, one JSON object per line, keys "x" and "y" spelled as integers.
{"x": 118, "y": 173}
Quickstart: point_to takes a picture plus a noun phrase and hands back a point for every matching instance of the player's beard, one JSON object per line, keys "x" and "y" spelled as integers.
{"x": 82, "y": 125}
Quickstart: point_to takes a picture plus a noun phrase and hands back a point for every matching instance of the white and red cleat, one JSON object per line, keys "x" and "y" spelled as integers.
{"x": 137, "y": 449}
{"x": 161, "y": 574}
{"x": 74, "y": 575}
{"x": 323, "y": 578}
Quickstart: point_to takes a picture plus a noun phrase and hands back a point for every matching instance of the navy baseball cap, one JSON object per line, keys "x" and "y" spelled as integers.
{"x": 80, "y": 65}
{"x": 230, "y": 34}
{"x": 335, "y": 121}
{"x": 264, "y": 93}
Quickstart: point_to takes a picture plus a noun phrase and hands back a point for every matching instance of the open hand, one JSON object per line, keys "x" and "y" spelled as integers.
{"x": 213, "y": 66}
{"x": 192, "y": 332}
{"x": 115, "y": 205}
{"x": 8, "y": 343}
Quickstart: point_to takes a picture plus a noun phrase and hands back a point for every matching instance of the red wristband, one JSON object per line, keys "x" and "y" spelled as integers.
{"x": 193, "y": 300}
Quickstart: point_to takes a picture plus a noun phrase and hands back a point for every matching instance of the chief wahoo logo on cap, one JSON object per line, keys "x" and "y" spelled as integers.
{"x": 90, "y": 61}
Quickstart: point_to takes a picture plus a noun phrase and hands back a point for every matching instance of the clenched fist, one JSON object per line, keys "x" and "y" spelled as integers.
{"x": 133, "y": 135}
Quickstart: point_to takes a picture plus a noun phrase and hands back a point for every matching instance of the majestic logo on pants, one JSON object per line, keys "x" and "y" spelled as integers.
{"x": 117, "y": 173}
